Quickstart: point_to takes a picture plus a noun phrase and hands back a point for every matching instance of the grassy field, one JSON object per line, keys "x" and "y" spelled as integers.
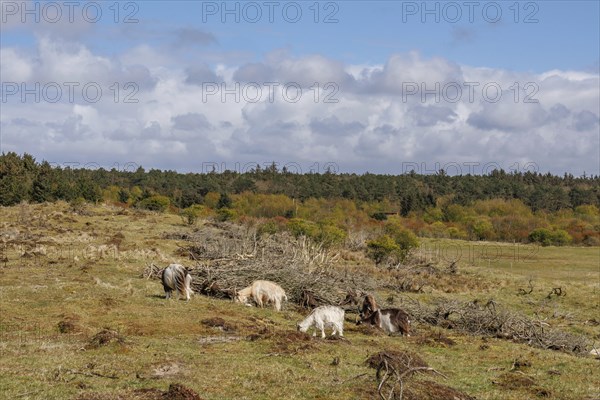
{"x": 78, "y": 321}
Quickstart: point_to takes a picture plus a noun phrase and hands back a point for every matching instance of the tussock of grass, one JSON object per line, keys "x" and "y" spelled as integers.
{"x": 105, "y": 337}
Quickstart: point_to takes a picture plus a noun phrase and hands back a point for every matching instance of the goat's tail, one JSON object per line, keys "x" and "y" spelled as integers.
{"x": 182, "y": 280}
{"x": 176, "y": 277}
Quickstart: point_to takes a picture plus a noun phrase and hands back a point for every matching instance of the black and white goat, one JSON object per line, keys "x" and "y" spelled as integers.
{"x": 177, "y": 278}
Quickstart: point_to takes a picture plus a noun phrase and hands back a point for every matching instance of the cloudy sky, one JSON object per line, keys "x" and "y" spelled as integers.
{"x": 356, "y": 86}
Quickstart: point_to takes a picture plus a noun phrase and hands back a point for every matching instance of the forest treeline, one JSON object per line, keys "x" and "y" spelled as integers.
{"x": 516, "y": 206}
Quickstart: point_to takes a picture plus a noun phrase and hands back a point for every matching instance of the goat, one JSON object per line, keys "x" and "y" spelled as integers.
{"x": 176, "y": 277}
{"x": 322, "y": 317}
{"x": 262, "y": 292}
{"x": 391, "y": 320}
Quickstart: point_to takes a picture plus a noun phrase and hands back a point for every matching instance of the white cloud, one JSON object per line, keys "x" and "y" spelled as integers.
{"x": 372, "y": 126}
{"x": 13, "y": 66}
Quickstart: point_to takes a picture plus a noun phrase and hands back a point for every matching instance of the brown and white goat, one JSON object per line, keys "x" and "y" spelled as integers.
{"x": 369, "y": 306}
{"x": 262, "y": 292}
{"x": 391, "y": 320}
{"x": 176, "y": 278}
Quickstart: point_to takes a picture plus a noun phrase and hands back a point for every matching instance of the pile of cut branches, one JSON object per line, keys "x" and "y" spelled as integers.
{"x": 229, "y": 257}
{"x": 489, "y": 319}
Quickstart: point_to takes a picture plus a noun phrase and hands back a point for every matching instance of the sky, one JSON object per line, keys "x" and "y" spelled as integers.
{"x": 349, "y": 86}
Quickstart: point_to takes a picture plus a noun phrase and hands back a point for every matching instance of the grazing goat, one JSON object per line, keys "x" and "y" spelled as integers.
{"x": 369, "y": 306}
{"x": 176, "y": 277}
{"x": 391, "y": 320}
{"x": 262, "y": 292}
{"x": 322, "y": 317}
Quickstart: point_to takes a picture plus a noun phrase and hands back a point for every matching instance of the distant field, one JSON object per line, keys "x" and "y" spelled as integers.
{"x": 62, "y": 283}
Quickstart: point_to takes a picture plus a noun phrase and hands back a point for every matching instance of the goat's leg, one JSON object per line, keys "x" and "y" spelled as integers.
{"x": 340, "y": 330}
{"x": 321, "y": 326}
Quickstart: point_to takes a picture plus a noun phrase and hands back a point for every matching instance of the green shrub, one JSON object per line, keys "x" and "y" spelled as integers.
{"x": 382, "y": 248}
{"x": 404, "y": 238}
{"x": 482, "y": 229}
{"x": 540, "y": 235}
{"x": 394, "y": 244}
{"x": 155, "y": 203}
{"x": 301, "y": 227}
{"x": 455, "y": 233}
{"x": 327, "y": 234}
{"x": 379, "y": 216}
{"x": 438, "y": 230}
{"x": 331, "y": 235}
{"x": 267, "y": 228}
{"x": 191, "y": 214}
{"x": 226, "y": 214}
{"x": 78, "y": 205}
{"x": 224, "y": 201}
{"x": 561, "y": 238}
{"x": 546, "y": 237}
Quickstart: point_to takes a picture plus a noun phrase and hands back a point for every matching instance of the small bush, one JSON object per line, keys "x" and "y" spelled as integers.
{"x": 546, "y": 237}
{"x": 332, "y": 235}
{"x": 226, "y": 214}
{"x": 379, "y": 216}
{"x": 381, "y": 248}
{"x": 301, "y": 227}
{"x": 155, "y": 203}
{"x": 561, "y": 238}
{"x": 455, "y": 233}
{"x": 404, "y": 238}
{"x": 326, "y": 234}
{"x": 191, "y": 214}
{"x": 78, "y": 205}
{"x": 268, "y": 228}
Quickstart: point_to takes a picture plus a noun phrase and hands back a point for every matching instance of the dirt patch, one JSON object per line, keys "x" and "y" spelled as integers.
{"x": 519, "y": 381}
{"x": 515, "y": 381}
{"x": 146, "y": 394}
{"x": 263, "y": 333}
{"x": 108, "y": 302}
{"x": 167, "y": 370}
{"x": 429, "y": 390}
{"x": 68, "y": 324}
{"x": 218, "y": 339}
{"x": 116, "y": 240}
{"x": 95, "y": 396}
{"x": 179, "y": 392}
{"x": 105, "y": 337}
{"x": 176, "y": 391}
{"x": 292, "y": 342}
{"x": 520, "y": 363}
{"x": 219, "y": 323}
{"x": 435, "y": 339}
{"x": 366, "y": 329}
{"x": 401, "y": 361}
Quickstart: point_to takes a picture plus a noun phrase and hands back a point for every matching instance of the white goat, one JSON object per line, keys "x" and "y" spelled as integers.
{"x": 262, "y": 292}
{"x": 322, "y": 317}
{"x": 177, "y": 278}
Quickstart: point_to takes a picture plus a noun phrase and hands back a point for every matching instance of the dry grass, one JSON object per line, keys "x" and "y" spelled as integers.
{"x": 66, "y": 278}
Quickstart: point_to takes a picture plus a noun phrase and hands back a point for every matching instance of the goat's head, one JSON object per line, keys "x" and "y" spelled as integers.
{"x": 302, "y": 327}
